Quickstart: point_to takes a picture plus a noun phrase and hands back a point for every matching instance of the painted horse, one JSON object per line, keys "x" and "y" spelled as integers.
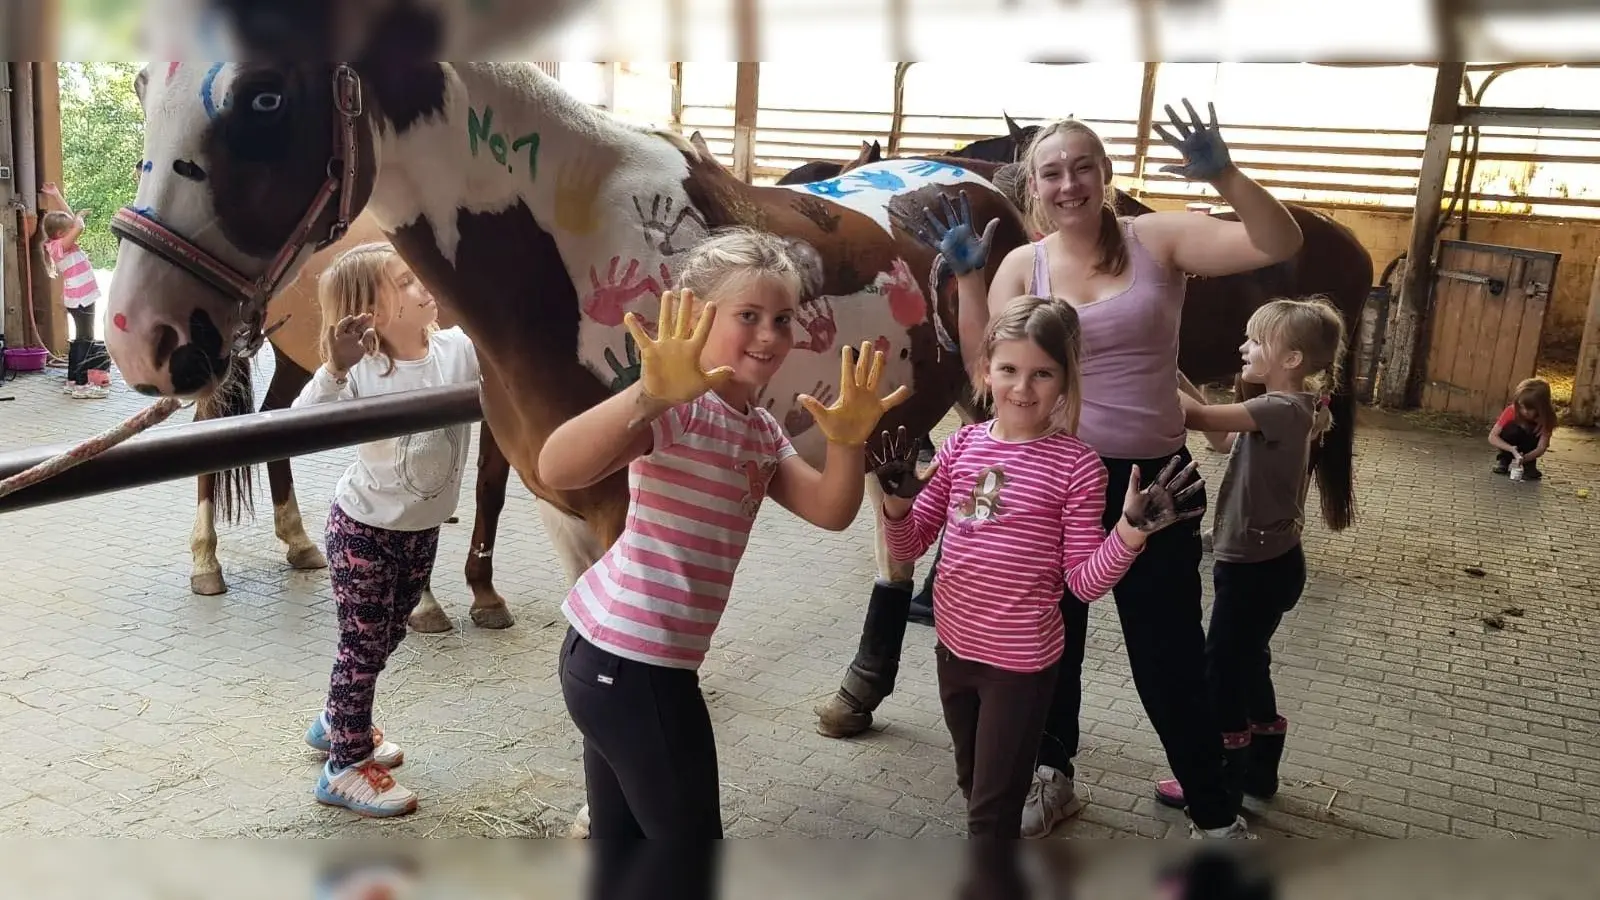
{"x": 535, "y": 219}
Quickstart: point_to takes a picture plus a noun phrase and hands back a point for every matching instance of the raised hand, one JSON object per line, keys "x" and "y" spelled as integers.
{"x": 1155, "y": 507}
{"x": 669, "y": 367}
{"x": 851, "y": 418}
{"x": 1205, "y": 156}
{"x": 955, "y": 237}
{"x": 352, "y": 339}
{"x": 896, "y": 466}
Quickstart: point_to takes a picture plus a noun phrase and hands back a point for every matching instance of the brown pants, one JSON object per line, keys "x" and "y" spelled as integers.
{"x": 996, "y": 719}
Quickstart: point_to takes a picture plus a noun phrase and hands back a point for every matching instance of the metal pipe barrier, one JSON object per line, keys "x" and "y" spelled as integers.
{"x": 169, "y": 452}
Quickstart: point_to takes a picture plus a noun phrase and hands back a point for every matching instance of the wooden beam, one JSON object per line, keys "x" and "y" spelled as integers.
{"x": 897, "y": 117}
{"x": 1141, "y": 141}
{"x": 746, "y": 102}
{"x": 677, "y": 95}
{"x": 1586, "y": 385}
{"x": 11, "y": 312}
{"x": 1402, "y": 351}
{"x": 1529, "y": 117}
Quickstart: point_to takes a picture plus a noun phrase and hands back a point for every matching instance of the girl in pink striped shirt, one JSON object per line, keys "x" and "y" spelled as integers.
{"x": 701, "y": 455}
{"x": 1019, "y": 499}
{"x": 79, "y": 290}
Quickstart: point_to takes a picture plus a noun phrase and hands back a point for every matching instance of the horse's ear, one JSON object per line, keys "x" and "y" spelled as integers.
{"x": 877, "y": 153}
{"x": 809, "y": 262}
{"x": 139, "y": 81}
{"x": 699, "y": 142}
{"x": 1017, "y": 134}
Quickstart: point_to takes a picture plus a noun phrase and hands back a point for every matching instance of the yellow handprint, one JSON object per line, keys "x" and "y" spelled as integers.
{"x": 576, "y": 190}
{"x": 669, "y": 368}
{"x": 852, "y": 418}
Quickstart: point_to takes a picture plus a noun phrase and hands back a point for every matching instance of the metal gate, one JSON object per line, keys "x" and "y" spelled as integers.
{"x": 1487, "y": 316}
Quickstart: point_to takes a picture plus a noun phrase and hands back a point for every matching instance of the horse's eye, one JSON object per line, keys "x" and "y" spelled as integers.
{"x": 266, "y": 102}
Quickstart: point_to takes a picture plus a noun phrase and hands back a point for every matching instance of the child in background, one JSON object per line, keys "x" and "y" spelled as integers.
{"x": 1020, "y": 500}
{"x": 1522, "y": 433}
{"x": 383, "y": 529}
{"x": 79, "y": 290}
{"x": 701, "y": 456}
{"x": 1292, "y": 347}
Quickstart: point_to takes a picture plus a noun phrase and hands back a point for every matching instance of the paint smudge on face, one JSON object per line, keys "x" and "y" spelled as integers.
{"x": 172, "y": 69}
{"x": 120, "y": 321}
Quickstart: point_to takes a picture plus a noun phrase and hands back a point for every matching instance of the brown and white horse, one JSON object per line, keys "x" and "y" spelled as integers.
{"x": 535, "y": 219}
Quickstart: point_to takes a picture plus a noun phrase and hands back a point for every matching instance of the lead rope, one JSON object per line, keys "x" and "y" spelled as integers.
{"x": 152, "y": 415}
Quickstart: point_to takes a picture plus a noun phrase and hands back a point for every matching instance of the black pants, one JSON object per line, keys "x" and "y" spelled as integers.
{"x": 82, "y": 322}
{"x": 1524, "y": 439}
{"x": 1158, "y": 603}
{"x": 651, "y": 870}
{"x": 995, "y": 717}
{"x": 649, "y": 755}
{"x": 1251, "y": 599}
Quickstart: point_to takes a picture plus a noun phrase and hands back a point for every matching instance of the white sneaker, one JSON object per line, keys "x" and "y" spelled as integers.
{"x": 1238, "y": 831}
{"x": 366, "y": 789}
{"x": 89, "y": 392}
{"x": 385, "y": 753}
{"x": 1052, "y": 799}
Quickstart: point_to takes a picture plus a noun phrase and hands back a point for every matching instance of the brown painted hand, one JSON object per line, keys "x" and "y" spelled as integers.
{"x": 352, "y": 339}
{"x": 1155, "y": 507}
{"x": 850, "y": 420}
{"x": 896, "y": 466}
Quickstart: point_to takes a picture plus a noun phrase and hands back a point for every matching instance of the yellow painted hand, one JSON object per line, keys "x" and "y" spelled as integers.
{"x": 854, "y": 416}
{"x": 669, "y": 367}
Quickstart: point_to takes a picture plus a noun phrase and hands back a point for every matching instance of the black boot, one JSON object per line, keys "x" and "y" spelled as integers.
{"x": 871, "y": 675}
{"x": 1260, "y": 780}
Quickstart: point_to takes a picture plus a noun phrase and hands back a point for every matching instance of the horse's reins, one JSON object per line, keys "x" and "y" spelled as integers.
{"x": 252, "y": 294}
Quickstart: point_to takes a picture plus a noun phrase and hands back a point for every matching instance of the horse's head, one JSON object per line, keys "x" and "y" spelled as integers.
{"x": 248, "y": 168}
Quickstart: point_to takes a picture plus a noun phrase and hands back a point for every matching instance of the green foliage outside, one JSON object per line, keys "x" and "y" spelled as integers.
{"x": 102, "y": 144}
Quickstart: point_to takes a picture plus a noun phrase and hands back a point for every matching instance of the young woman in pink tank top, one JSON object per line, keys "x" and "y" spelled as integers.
{"x": 1126, "y": 279}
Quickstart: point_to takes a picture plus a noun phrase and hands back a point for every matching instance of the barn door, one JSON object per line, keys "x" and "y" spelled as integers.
{"x": 1487, "y": 316}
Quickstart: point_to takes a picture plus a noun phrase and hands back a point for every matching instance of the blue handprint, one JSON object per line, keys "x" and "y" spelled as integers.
{"x": 829, "y": 188}
{"x": 883, "y": 181}
{"x": 929, "y": 168}
{"x": 624, "y": 375}
{"x": 956, "y": 239}
{"x": 1205, "y": 156}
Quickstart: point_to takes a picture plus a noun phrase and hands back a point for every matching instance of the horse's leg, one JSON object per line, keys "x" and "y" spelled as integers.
{"x": 871, "y": 675}
{"x": 489, "y": 609}
{"x": 287, "y": 380}
{"x": 205, "y": 573}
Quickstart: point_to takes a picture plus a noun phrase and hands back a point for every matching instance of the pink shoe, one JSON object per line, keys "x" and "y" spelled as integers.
{"x": 1170, "y": 793}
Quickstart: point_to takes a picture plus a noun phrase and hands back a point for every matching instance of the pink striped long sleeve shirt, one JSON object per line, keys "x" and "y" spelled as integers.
{"x": 1021, "y": 522}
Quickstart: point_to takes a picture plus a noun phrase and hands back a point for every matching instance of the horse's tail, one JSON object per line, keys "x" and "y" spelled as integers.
{"x": 233, "y": 490}
{"x": 1333, "y": 461}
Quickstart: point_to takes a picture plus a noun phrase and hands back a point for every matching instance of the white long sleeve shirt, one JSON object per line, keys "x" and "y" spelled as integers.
{"x": 412, "y": 482}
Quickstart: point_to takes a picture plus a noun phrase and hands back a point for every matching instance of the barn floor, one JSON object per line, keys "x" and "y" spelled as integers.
{"x": 1440, "y": 673}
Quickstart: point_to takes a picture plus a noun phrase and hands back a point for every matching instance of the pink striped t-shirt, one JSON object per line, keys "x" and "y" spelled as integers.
{"x": 1021, "y": 520}
{"x": 78, "y": 287}
{"x": 657, "y": 595}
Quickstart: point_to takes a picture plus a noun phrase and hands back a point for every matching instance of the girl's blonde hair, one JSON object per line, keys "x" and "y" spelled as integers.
{"x": 1311, "y": 326}
{"x": 737, "y": 253}
{"x": 351, "y": 286}
{"x": 1535, "y": 393}
{"x": 1051, "y": 323}
{"x": 1112, "y": 247}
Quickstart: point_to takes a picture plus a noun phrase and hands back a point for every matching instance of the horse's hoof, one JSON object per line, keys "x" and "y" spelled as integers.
{"x": 495, "y": 617}
{"x": 837, "y": 719}
{"x": 579, "y": 828}
{"x": 430, "y": 620}
{"x": 307, "y": 557}
{"x": 209, "y": 584}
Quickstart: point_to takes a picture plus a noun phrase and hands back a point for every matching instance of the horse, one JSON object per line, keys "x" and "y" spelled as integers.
{"x": 229, "y": 493}
{"x": 538, "y": 221}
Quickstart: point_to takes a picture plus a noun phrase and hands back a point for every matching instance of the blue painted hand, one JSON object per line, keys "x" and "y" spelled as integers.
{"x": 1205, "y": 156}
{"x": 957, "y": 241}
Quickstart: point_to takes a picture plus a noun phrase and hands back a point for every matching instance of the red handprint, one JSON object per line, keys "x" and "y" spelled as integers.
{"x": 815, "y": 315}
{"x": 882, "y": 346}
{"x": 906, "y": 303}
{"x": 610, "y": 300}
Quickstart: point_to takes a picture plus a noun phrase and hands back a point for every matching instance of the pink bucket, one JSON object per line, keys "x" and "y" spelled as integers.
{"x": 26, "y": 359}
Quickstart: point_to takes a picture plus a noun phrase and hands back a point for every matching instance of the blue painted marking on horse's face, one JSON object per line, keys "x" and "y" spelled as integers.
{"x": 206, "y": 88}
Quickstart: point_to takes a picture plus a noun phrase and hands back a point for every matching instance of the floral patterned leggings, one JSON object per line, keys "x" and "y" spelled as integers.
{"x": 378, "y": 576}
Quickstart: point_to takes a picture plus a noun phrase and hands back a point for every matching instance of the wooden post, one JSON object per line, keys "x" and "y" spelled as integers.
{"x": 676, "y": 69}
{"x": 1141, "y": 140}
{"x": 747, "y": 81}
{"x": 52, "y": 315}
{"x": 1586, "y": 387}
{"x": 897, "y": 118}
{"x": 1403, "y": 352}
{"x": 11, "y": 312}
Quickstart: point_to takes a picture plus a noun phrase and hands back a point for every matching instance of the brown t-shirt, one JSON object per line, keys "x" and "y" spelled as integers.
{"x": 1261, "y": 504}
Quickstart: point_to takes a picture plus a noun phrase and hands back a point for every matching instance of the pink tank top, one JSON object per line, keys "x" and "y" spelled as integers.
{"x": 1129, "y": 358}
